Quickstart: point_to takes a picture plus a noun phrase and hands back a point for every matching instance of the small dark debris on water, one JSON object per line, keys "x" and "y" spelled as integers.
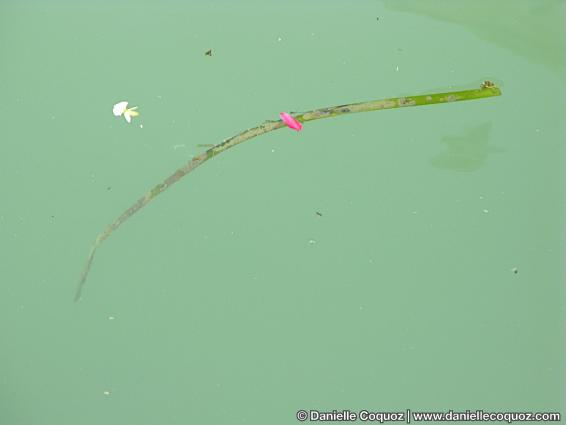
{"x": 52, "y": 216}
{"x": 108, "y": 188}
{"x": 378, "y": 18}
{"x": 319, "y": 214}
{"x": 208, "y": 52}
{"x": 515, "y": 270}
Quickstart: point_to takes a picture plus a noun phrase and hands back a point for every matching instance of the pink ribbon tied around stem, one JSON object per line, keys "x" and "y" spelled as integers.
{"x": 290, "y": 122}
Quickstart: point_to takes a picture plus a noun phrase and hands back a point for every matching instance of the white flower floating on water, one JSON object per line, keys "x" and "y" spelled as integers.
{"x": 121, "y": 108}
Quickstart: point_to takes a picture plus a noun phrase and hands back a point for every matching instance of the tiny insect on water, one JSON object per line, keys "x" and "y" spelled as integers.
{"x": 487, "y": 84}
{"x": 208, "y": 52}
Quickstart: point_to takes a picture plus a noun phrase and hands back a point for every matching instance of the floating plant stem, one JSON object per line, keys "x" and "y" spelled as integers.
{"x": 487, "y": 89}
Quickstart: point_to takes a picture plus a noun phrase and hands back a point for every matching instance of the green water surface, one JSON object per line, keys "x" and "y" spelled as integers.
{"x": 433, "y": 278}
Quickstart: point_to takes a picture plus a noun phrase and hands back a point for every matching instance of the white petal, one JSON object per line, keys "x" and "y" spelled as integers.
{"x": 128, "y": 116}
{"x": 119, "y": 108}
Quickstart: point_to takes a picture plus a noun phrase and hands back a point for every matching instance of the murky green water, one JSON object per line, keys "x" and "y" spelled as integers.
{"x": 432, "y": 280}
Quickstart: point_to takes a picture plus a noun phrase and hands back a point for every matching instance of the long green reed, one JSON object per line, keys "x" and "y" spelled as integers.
{"x": 487, "y": 89}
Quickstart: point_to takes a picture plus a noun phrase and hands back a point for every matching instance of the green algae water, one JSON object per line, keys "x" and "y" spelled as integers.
{"x": 407, "y": 259}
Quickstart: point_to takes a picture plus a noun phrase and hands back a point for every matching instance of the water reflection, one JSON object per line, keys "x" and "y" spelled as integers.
{"x": 532, "y": 29}
{"x": 466, "y": 152}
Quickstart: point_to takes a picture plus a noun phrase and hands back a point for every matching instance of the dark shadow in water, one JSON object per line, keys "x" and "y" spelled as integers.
{"x": 467, "y": 152}
{"x": 533, "y": 29}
